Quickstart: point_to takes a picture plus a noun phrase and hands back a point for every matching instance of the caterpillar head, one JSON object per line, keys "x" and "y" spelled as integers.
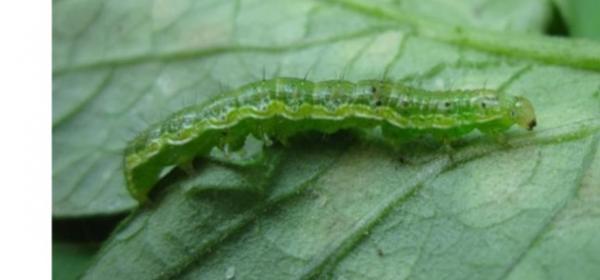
{"x": 522, "y": 113}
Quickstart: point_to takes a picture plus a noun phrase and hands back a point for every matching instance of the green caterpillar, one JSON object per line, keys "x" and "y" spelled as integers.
{"x": 284, "y": 107}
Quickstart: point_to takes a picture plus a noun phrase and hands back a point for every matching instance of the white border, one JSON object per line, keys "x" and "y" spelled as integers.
{"x": 25, "y": 142}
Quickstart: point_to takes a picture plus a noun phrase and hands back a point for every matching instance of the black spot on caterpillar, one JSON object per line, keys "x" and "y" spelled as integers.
{"x": 283, "y": 107}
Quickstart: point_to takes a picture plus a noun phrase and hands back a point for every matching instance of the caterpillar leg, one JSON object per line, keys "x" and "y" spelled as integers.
{"x": 398, "y": 138}
{"x": 447, "y": 147}
{"x": 499, "y": 137}
{"x": 187, "y": 167}
{"x": 502, "y": 140}
{"x": 283, "y": 140}
{"x": 497, "y": 134}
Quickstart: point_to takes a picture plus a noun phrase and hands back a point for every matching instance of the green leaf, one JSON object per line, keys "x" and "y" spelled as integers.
{"x": 353, "y": 211}
{"x": 70, "y": 260}
{"x": 581, "y": 17}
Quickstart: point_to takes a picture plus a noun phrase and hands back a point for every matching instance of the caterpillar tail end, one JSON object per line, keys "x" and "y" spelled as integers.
{"x": 136, "y": 192}
{"x": 135, "y": 188}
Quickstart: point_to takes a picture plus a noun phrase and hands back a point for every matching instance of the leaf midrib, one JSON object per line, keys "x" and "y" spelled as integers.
{"x": 576, "y": 53}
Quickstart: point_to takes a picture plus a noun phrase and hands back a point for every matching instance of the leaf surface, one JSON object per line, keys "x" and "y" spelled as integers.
{"x": 580, "y": 17}
{"x": 71, "y": 259}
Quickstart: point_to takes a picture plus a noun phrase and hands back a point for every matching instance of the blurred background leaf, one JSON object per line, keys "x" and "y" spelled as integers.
{"x": 70, "y": 260}
{"x": 581, "y": 17}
